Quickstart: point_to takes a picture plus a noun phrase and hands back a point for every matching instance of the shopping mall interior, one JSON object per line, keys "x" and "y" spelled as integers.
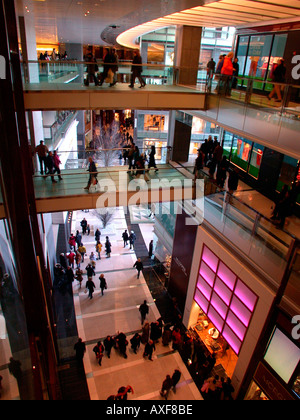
{"x": 155, "y": 146}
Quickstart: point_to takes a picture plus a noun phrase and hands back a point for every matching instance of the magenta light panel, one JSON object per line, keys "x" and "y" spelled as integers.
{"x": 225, "y": 299}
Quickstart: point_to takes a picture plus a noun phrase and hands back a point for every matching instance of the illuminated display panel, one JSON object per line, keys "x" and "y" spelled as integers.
{"x": 225, "y": 299}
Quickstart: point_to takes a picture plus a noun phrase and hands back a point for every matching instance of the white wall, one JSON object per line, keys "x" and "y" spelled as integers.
{"x": 265, "y": 299}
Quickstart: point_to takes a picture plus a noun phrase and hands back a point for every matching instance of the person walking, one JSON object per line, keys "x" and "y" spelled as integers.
{"x": 80, "y": 349}
{"x": 90, "y": 272}
{"x": 108, "y": 247}
{"x": 99, "y": 249}
{"x": 139, "y": 266}
{"x": 93, "y": 260}
{"x": 79, "y": 276}
{"x": 103, "y": 284}
{"x": 175, "y": 379}
{"x": 78, "y": 239}
{"x": 152, "y": 163}
{"x": 92, "y": 169}
{"x": 144, "y": 310}
{"x": 92, "y": 68}
{"x": 97, "y": 235}
{"x": 99, "y": 350}
{"x": 233, "y": 182}
{"x": 83, "y": 225}
{"x": 166, "y": 386}
{"x": 145, "y": 333}
{"x": 82, "y": 251}
{"x": 136, "y": 70}
{"x": 90, "y": 286}
{"x": 132, "y": 239}
{"x": 109, "y": 343}
{"x": 150, "y": 253}
{"x": 125, "y": 237}
{"x": 49, "y": 162}
{"x": 57, "y": 162}
{"x": 42, "y": 151}
{"x": 135, "y": 342}
{"x": 149, "y": 349}
{"x": 71, "y": 259}
{"x": 122, "y": 343}
{"x": 227, "y": 73}
{"x": 72, "y": 242}
{"x": 78, "y": 258}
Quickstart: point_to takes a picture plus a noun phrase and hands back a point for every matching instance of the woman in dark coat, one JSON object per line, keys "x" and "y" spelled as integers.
{"x": 108, "y": 247}
{"x": 152, "y": 163}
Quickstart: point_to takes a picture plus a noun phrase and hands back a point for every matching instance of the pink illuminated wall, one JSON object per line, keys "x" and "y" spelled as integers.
{"x": 224, "y": 298}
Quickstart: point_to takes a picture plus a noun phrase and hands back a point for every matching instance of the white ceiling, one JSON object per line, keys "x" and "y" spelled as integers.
{"x": 68, "y": 20}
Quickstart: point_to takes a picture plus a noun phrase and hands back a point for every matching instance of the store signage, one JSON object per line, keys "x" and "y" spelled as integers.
{"x": 296, "y": 69}
{"x": 2, "y": 67}
{"x": 270, "y": 385}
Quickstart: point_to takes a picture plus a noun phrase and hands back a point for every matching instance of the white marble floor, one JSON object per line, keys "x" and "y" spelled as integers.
{"x": 117, "y": 310}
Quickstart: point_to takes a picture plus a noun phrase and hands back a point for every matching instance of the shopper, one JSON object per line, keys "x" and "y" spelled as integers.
{"x": 103, "y": 284}
{"x": 92, "y": 68}
{"x": 92, "y": 169}
{"x": 97, "y": 235}
{"x": 49, "y": 162}
{"x": 90, "y": 286}
{"x": 149, "y": 349}
{"x": 227, "y": 73}
{"x": 82, "y": 251}
{"x": 79, "y": 276}
{"x": 109, "y": 343}
{"x": 132, "y": 239}
{"x": 144, "y": 310}
{"x": 135, "y": 342}
{"x": 152, "y": 163}
{"x": 71, "y": 259}
{"x": 72, "y": 242}
{"x": 107, "y": 247}
{"x": 80, "y": 349}
{"x": 166, "y": 386}
{"x": 57, "y": 162}
{"x": 78, "y": 239}
{"x": 136, "y": 70}
{"x": 83, "y": 225}
{"x": 93, "y": 260}
{"x": 125, "y": 237}
{"x": 99, "y": 249}
{"x": 90, "y": 272}
{"x": 139, "y": 266}
{"x": 175, "y": 379}
{"x": 122, "y": 343}
{"x": 99, "y": 350}
{"x": 42, "y": 151}
{"x": 145, "y": 333}
{"x": 222, "y": 169}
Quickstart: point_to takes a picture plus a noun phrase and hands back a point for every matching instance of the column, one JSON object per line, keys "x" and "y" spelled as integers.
{"x": 180, "y": 130}
{"x": 187, "y": 53}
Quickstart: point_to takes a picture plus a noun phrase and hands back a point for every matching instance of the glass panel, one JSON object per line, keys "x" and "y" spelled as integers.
{"x": 277, "y": 52}
{"x": 242, "y": 53}
{"x": 255, "y": 161}
{"x": 227, "y": 144}
{"x": 241, "y": 150}
{"x": 258, "y": 55}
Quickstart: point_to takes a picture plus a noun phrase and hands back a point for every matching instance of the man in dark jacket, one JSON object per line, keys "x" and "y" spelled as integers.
{"x": 93, "y": 173}
{"x": 92, "y": 68}
{"x": 149, "y": 348}
{"x": 136, "y": 70}
{"x": 49, "y": 163}
{"x": 144, "y": 310}
{"x": 139, "y": 266}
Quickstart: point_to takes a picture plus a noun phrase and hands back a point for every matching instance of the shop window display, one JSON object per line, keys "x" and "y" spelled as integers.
{"x": 255, "y": 393}
{"x": 288, "y": 172}
{"x": 241, "y": 151}
{"x": 255, "y": 161}
{"x": 226, "y": 301}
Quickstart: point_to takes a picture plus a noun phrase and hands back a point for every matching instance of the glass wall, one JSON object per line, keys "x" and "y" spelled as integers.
{"x": 15, "y": 359}
{"x": 258, "y": 55}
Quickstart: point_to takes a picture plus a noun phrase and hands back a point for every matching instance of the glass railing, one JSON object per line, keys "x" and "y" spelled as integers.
{"x": 252, "y": 232}
{"x": 51, "y": 73}
{"x": 104, "y": 158}
{"x": 280, "y": 98}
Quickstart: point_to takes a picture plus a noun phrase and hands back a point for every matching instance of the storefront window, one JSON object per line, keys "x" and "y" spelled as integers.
{"x": 255, "y": 161}
{"x": 241, "y": 151}
{"x": 227, "y": 144}
{"x": 154, "y": 123}
{"x": 277, "y": 51}
{"x": 258, "y": 56}
{"x": 242, "y": 53}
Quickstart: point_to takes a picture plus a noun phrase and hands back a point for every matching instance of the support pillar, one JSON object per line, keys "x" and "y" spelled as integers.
{"x": 187, "y": 53}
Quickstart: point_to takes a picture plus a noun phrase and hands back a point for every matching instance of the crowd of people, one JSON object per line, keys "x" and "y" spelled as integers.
{"x": 211, "y": 156}
{"x": 110, "y": 69}
{"x": 226, "y": 73}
